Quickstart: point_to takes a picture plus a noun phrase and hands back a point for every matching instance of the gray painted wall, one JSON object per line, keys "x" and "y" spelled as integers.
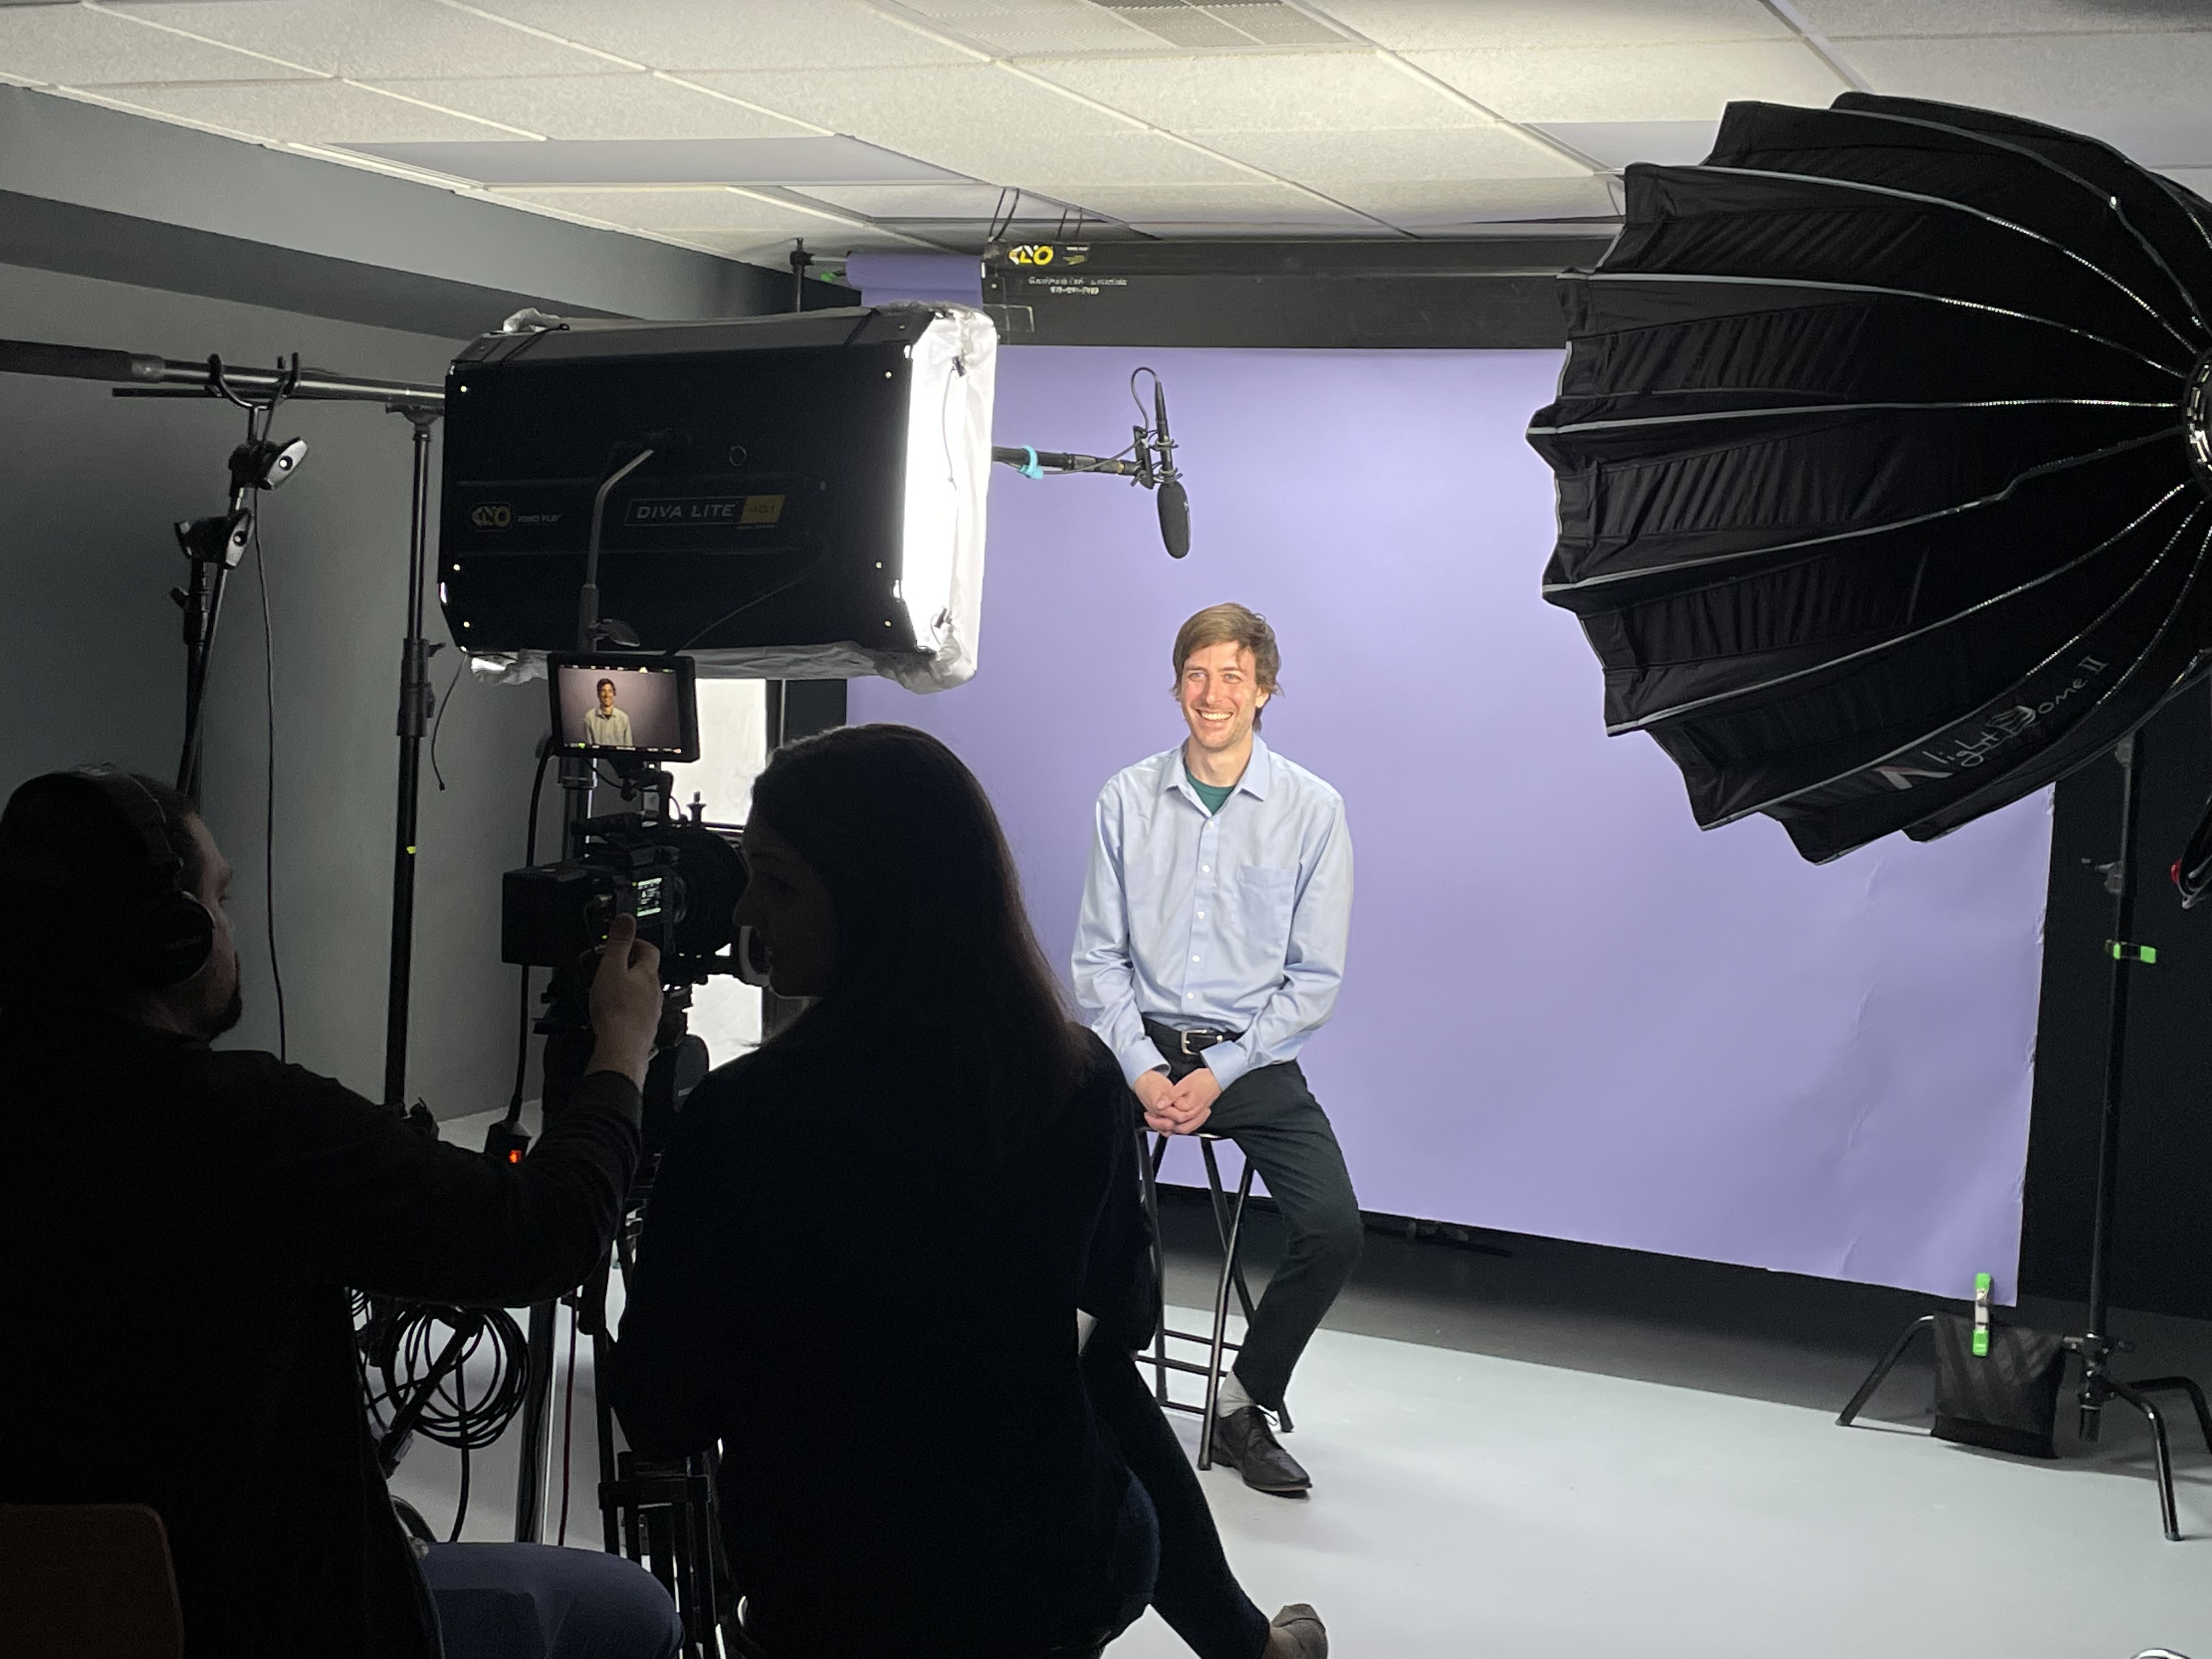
{"x": 91, "y": 484}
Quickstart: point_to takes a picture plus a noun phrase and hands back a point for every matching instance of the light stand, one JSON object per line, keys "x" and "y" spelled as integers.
{"x": 417, "y": 701}
{"x": 2096, "y": 1344}
{"x": 215, "y": 552}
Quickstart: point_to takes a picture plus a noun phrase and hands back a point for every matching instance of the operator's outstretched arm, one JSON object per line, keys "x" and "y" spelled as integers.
{"x": 355, "y": 1196}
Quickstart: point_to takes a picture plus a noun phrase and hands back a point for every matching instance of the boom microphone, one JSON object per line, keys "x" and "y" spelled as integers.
{"x": 1174, "y": 501}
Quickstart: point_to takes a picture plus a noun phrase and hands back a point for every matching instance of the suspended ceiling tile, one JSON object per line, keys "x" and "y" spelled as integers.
{"x": 375, "y": 38}
{"x": 910, "y": 109}
{"x": 1192, "y": 25}
{"x": 2041, "y": 75}
{"x": 1410, "y": 24}
{"x": 1082, "y": 30}
{"x": 1061, "y": 165}
{"x": 1257, "y": 200}
{"x": 1326, "y": 158}
{"x": 1842, "y": 18}
{"x": 770, "y": 247}
{"x": 1615, "y": 145}
{"x": 929, "y": 202}
{"x": 649, "y": 161}
{"x": 1268, "y": 22}
{"x": 1423, "y": 206}
{"x": 1641, "y": 83}
{"x": 309, "y": 113}
{"x": 630, "y": 105}
{"x": 1047, "y": 26}
{"x": 1288, "y": 91}
{"x": 68, "y": 46}
{"x": 683, "y": 209}
{"x": 1201, "y": 230}
{"x": 2154, "y": 139}
{"x": 736, "y": 34}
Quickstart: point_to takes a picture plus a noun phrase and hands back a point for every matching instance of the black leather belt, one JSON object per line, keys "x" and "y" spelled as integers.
{"x": 1173, "y": 1039}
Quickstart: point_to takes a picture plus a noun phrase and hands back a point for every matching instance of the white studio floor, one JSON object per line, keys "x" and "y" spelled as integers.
{"x": 1652, "y": 1485}
{"x": 1470, "y": 1505}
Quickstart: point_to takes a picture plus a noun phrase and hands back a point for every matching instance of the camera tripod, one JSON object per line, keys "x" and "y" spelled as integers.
{"x": 659, "y": 1514}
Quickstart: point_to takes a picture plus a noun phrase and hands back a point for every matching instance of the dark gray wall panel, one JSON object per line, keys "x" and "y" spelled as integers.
{"x": 92, "y": 483}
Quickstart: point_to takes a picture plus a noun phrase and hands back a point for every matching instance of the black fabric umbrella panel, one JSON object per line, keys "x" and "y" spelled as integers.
{"x": 1883, "y": 486}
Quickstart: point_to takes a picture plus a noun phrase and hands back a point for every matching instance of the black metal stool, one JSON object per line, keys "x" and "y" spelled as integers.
{"x": 1228, "y": 1226}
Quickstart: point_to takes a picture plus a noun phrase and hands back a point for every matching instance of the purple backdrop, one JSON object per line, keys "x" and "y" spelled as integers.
{"x": 1567, "y": 1012}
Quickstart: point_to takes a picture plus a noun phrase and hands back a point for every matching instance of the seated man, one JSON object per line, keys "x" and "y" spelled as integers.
{"x": 181, "y": 1226}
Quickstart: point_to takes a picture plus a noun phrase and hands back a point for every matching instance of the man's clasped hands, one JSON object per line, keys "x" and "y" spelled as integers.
{"x": 1177, "y": 1108}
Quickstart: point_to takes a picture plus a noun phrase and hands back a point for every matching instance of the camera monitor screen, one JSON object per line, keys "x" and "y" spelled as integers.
{"x": 639, "y": 704}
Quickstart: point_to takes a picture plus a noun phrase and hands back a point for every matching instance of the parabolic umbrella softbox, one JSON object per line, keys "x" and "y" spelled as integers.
{"x": 1883, "y": 485}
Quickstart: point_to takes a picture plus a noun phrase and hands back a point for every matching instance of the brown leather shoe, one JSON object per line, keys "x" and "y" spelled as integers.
{"x": 1296, "y": 1632}
{"x": 1245, "y": 1442}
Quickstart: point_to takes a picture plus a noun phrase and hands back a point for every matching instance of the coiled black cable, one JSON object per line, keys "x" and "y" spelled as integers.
{"x": 398, "y": 1345}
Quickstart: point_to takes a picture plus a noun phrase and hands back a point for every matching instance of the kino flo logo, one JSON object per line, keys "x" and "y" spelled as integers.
{"x": 492, "y": 515}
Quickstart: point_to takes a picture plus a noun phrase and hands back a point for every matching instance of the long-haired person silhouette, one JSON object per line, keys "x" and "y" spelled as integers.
{"x": 868, "y": 1243}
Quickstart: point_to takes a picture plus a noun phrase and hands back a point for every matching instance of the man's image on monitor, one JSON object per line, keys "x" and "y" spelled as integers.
{"x": 607, "y": 727}
{"x": 610, "y": 707}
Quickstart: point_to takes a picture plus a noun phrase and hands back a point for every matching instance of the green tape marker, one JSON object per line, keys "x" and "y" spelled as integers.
{"x": 1982, "y": 1286}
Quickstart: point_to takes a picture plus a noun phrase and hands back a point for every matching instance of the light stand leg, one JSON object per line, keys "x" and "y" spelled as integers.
{"x": 2183, "y": 1385}
{"x": 1881, "y": 1373}
{"x": 536, "y": 1427}
{"x": 2161, "y": 1450}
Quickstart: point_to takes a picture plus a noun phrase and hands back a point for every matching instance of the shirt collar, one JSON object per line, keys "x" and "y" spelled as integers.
{"x": 1258, "y": 771}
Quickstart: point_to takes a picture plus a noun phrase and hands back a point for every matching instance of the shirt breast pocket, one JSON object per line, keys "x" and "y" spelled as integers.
{"x": 1263, "y": 903}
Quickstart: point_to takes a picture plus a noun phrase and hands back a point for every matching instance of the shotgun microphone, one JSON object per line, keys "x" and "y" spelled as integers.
{"x": 1174, "y": 501}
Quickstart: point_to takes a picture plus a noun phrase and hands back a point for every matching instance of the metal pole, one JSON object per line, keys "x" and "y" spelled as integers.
{"x": 2096, "y": 1343}
{"x": 415, "y": 699}
{"x": 534, "y": 1450}
{"x": 202, "y": 604}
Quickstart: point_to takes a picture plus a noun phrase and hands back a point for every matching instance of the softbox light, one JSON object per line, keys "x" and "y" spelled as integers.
{"x": 812, "y": 508}
{"x": 1881, "y": 456}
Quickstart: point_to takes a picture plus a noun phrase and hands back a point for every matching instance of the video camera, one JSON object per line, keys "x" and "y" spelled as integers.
{"x": 679, "y": 876}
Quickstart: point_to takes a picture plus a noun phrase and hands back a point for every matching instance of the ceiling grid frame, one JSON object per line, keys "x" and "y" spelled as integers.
{"x": 1287, "y": 163}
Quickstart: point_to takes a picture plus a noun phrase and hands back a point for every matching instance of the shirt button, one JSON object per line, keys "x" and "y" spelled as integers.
{"x": 1194, "y": 958}
{"x": 1206, "y": 869}
{"x": 1201, "y": 915}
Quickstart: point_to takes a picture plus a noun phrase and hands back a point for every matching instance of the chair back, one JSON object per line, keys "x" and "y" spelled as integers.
{"x": 87, "y": 1581}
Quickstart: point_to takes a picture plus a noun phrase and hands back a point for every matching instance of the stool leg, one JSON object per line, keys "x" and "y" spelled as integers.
{"x": 1236, "y": 1223}
{"x": 1236, "y": 1261}
{"x": 1148, "y": 1162}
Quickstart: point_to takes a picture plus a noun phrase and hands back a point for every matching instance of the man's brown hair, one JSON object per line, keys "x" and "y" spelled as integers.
{"x": 1231, "y": 623}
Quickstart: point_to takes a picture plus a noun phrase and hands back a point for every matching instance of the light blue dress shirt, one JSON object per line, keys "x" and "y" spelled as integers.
{"x": 1236, "y": 920}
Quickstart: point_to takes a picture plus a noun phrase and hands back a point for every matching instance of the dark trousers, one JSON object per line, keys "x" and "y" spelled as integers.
{"x": 1195, "y": 1590}
{"x": 534, "y": 1602}
{"x": 1280, "y": 1127}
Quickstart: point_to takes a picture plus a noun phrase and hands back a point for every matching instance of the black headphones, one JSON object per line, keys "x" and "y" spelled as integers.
{"x": 170, "y": 935}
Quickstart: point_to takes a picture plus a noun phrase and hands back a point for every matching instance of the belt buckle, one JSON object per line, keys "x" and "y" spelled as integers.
{"x": 1189, "y": 1052}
